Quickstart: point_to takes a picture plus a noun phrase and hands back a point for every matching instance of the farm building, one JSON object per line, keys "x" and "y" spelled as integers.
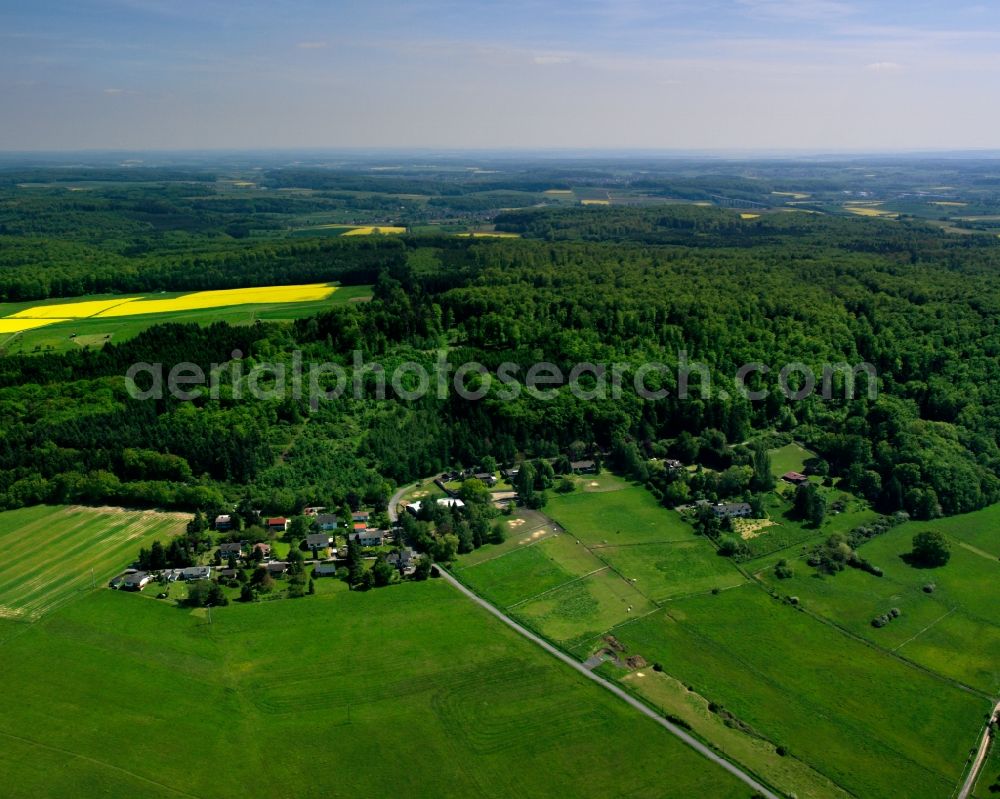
{"x": 731, "y": 510}
{"x": 671, "y": 463}
{"x": 368, "y": 538}
{"x": 326, "y": 521}
{"x": 223, "y": 523}
{"x": 795, "y": 478}
{"x": 583, "y": 467}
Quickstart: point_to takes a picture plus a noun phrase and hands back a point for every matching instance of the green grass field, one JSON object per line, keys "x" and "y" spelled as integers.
{"x": 50, "y": 553}
{"x": 619, "y": 514}
{"x": 870, "y": 723}
{"x": 410, "y": 690}
{"x": 668, "y": 571}
{"x": 96, "y": 331}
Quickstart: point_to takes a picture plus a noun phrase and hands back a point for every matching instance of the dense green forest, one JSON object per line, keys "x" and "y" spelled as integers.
{"x": 602, "y": 285}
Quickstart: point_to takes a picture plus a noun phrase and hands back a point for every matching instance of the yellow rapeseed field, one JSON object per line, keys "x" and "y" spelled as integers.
{"x": 225, "y": 297}
{"x": 70, "y": 310}
{"x": 866, "y": 210}
{"x": 13, "y": 325}
{"x": 949, "y": 203}
{"x": 749, "y": 216}
{"x": 595, "y": 202}
{"x": 369, "y": 229}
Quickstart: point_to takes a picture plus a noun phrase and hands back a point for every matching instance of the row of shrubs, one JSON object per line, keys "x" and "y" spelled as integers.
{"x": 885, "y": 618}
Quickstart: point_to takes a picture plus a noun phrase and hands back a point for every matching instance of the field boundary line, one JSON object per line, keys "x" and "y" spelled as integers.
{"x": 510, "y": 551}
{"x": 921, "y": 632}
{"x": 103, "y": 763}
{"x": 556, "y": 588}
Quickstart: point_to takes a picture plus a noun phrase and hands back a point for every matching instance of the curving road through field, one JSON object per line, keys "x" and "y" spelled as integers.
{"x": 694, "y": 743}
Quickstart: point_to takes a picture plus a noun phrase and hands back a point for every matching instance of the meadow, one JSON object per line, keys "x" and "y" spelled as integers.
{"x": 95, "y": 320}
{"x": 410, "y": 689}
{"x": 875, "y": 726}
{"x": 52, "y": 554}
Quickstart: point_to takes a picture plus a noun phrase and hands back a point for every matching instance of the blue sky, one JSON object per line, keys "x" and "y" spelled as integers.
{"x": 716, "y": 74}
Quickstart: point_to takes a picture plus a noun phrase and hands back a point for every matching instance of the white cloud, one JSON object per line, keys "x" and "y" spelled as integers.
{"x": 884, "y": 66}
{"x": 551, "y": 58}
{"x": 799, "y": 9}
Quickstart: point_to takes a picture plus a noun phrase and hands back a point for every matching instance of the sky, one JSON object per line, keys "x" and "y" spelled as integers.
{"x": 827, "y": 75}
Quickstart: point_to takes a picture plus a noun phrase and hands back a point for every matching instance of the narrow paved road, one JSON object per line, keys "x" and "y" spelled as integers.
{"x": 395, "y": 500}
{"x": 635, "y": 703}
{"x": 977, "y": 764}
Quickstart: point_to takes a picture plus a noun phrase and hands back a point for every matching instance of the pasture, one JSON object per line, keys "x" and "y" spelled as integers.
{"x": 668, "y": 571}
{"x": 268, "y": 698}
{"x": 789, "y": 458}
{"x": 51, "y": 553}
{"x": 863, "y": 719}
{"x": 953, "y": 630}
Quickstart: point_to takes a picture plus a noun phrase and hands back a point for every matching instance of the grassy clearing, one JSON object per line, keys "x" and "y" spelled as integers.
{"x": 493, "y": 715}
{"x": 49, "y": 552}
{"x": 627, "y": 516}
{"x": 789, "y": 458}
{"x": 866, "y": 721}
{"x": 668, "y": 571}
{"x": 523, "y": 527}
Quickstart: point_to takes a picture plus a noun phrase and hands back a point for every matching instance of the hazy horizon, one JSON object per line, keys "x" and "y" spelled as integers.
{"x": 722, "y": 76}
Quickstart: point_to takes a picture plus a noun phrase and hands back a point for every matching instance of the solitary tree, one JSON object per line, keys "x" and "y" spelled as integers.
{"x": 930, "y": 549}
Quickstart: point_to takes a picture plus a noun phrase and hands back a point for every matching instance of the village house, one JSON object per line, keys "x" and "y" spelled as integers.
{"x": 583, "y": 467}
{"x": 313, "y": 510}
{"x": 731, "y": 510}
{"x": 318, "y": 540}
{"x": 360, "y": 516}
{"x": 276, "y": 567}
{"x": 326, "y": 521}
{"x": 223, "y": 523}
{"x": 489, "y": 479}
{"x": 402, "y": 559}
{"x": 672, "y": 464}
{"x": 136, "y": 581}
{"x": 325, "y": 570}
{"x": 277, "y": 524}
{"x": 264, "y": 549}
{"x": 235, "y": 548}
{"x": 368, "y": 538}
{"x": 795, "y": 478}
{"x": 196, "y": 573}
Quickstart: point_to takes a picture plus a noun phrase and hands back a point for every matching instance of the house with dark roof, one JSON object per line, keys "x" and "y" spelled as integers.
{"x": 196, "y": 573}
{"x": 732, "y": 510}
{"x": 325, "y": 570}
{"x": 235, "y": 548}
{"x": 486, "y": 477}
{"x": 583, "y": 467}
{"x": 223, "y": 522}
{"x": 326, "y": 521}
{"x": 368, "y": 538}
{"x": 276, "y": 567}
{"x": 136, "y": 581}
{"x": 318, "y": 540}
